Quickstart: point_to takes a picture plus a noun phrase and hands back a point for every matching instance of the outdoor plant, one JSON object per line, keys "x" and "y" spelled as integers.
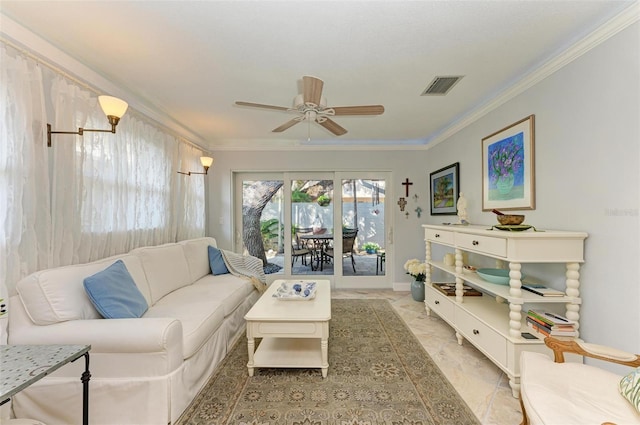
{"x": 370, "y": 247}
{"x": 299, "y": 196}
{"x": 417, "y": 269}
{"x": 269, "y": 231}
{"x": 323, "y": 200}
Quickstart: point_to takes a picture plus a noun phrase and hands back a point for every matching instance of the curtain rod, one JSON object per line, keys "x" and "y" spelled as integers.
{"x": 42, "y": 61}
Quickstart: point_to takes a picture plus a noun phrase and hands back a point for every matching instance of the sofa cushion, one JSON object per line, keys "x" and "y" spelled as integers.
{"x": 199, "y": 311}
{"x": 166, "y": 269}
{"x": 57, "y": 295}
{"x": 230, "y": 289}
{"x": 571, "y": 393}
{"x": 114, "y": 293}
{"x": 630, "y": 388}
{"x": 217, "y": 262}
{"x": 196, "y": 252}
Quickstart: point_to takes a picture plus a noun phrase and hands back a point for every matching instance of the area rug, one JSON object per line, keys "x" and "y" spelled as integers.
{"x": 378, "y": 374}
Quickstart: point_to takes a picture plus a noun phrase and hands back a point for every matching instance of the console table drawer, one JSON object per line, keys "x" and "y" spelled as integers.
{"x": 482, "y": 244}
{"x": 439, "y": 236}
{"x": 440, "y": 303}
{"x": 482, "y": 336}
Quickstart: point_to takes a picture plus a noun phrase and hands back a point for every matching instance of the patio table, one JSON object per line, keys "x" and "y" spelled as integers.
{"x": 320, "y": 242}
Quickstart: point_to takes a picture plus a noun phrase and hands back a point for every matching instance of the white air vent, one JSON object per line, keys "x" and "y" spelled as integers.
{"x": 441, "y": 85}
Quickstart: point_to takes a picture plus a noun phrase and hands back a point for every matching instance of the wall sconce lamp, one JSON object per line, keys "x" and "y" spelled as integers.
{"x": 112, "y": 107}
{"x": 206, "y": 162}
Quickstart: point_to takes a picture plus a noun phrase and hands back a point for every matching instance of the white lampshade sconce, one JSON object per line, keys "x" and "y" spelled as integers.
{"x": 206, "y": 162}
{"x": 112, "y": 107}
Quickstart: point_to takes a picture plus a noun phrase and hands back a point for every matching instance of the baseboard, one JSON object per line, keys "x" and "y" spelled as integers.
{"x": 402, "y": 286}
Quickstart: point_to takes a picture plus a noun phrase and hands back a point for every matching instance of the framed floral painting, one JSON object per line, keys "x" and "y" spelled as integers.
{"x": 508, "y": 174}
{"x": 444, "y": 187}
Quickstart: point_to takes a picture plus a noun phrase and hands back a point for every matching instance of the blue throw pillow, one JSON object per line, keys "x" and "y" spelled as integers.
{"x": 216, "y": 262}
{"x": 114, "y": 293}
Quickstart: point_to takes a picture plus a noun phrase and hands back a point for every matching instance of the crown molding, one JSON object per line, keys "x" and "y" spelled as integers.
{"x": 622, "y": 20}
{"x": 48, "y": 55}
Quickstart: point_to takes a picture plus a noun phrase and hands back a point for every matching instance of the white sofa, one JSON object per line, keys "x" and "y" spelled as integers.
{"x": 558, "y": 393}
{"x": 143, "y": 370}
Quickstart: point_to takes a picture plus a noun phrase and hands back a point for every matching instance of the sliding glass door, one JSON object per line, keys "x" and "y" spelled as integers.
{"x": 364, "y": 229}
{"x": 330, "y": 224}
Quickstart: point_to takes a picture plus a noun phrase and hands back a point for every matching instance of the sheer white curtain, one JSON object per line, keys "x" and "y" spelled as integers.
{"x": 25, "y": 230}
{"x": 190, "y": 210}
{"x": 71, "y": 106}
{"x": 112, "y": 192}
{"x": 87, "y": 197}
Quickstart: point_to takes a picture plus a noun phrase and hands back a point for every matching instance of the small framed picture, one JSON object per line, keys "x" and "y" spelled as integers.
{"x": 444, "y": 186}
{"x": 508, "y": 174}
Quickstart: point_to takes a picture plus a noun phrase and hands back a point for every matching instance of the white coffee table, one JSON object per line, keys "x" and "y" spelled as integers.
{"x": 295, "y": 334}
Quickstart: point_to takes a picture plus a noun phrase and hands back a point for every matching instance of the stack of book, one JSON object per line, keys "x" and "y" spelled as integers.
{"x": 550, "y": 324}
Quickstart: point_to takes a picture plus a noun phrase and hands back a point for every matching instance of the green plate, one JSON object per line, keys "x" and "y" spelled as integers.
{"x": 514, "y": 227}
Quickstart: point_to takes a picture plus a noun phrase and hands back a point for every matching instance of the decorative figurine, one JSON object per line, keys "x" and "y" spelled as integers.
{"x": 462, "y": 209}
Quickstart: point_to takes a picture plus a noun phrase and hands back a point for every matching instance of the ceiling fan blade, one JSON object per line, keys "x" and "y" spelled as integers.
{"x": 333, "y": 127}
{"x": 359, "y": 110}
{"x": 286, "y": 125}
{"x": 260, "y": 105}
{"x": 312, "y": 89}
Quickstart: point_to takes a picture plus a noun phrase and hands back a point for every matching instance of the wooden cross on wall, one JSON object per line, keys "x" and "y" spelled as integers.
{"x": 406, "y": 185}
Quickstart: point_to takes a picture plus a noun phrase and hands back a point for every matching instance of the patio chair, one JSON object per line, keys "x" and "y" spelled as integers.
{"x": 348, "y": 240}
{"x": 302, "y": 248}
{"x": 303, "y": 252}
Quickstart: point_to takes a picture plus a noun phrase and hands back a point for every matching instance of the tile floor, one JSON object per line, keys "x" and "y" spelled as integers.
{"x": 481, "y": 384}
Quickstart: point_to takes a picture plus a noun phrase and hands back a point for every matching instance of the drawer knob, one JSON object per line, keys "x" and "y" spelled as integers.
{"x": 476, "y": 332}
{"x": 475, "y": 243}
{"x": 437, "y": 302}
{"x": 437, "y": 235}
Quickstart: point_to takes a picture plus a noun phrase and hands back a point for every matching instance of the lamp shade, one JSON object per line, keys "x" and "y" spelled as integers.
{"x": 206, "y": 161}
{"x": 112, "y": 106}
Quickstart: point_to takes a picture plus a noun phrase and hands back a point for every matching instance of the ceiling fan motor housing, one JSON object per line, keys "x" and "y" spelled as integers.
{"x": 315, "y": 108}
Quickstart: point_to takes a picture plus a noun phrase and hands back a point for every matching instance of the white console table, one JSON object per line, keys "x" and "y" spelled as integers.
{"x": 494, "y": 322}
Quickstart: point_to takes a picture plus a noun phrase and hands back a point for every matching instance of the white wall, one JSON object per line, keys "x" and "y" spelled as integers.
{"x": 587, "y": 156}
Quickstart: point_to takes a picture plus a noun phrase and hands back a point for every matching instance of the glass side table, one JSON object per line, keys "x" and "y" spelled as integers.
{"x": 22, "y": 365}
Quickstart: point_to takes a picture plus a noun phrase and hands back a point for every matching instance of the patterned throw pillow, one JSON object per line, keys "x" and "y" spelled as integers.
{"x": 630, "y": 388}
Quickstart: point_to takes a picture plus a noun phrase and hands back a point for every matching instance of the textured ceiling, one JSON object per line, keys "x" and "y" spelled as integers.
{"x": 191, "y": 60}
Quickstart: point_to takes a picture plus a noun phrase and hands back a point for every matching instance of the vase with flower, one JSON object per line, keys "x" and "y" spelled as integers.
{"x": 505, "y": 160}
{"x": 418, "y": 270}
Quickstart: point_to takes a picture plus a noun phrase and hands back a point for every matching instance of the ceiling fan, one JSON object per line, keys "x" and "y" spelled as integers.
{"x": 311, "y": 106}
